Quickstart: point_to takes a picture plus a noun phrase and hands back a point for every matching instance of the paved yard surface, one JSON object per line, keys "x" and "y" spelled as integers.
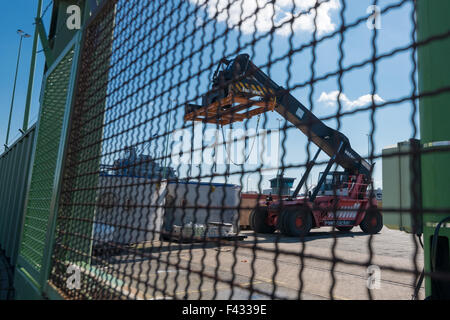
{"x": 269, "y": 266}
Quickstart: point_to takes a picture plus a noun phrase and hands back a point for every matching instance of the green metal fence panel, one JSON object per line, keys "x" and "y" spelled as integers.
{"x": 41, "y": 186}
{"x": 35, "y": 241}
{"x": 14, "y": 168}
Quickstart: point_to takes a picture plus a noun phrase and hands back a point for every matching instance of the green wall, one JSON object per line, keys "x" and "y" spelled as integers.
{"x": 434, "y": 74}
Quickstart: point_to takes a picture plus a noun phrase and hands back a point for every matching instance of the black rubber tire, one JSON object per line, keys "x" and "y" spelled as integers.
{"x": 372, "y": 222}
{"x": 345, "y": 229}
{"x": 281, "y": 223}
{"x": 259, "y": 221}
{"x": 251, "y": 218}
{"x": 291, "y": 219}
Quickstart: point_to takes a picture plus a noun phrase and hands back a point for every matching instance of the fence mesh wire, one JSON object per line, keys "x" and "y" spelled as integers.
{"x": 147, "y": 197}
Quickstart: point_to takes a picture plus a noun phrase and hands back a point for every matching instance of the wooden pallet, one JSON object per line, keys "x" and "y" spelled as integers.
{"x": 241, "y": 109}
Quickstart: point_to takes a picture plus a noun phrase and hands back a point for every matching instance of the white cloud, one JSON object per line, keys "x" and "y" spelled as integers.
{"x": 281, "y": 11}
{"x": 331, "y": 99}
{"x": 199, "y": 22}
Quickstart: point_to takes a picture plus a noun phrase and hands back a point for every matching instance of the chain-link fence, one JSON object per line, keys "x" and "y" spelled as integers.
{"x": 190, "y": 124}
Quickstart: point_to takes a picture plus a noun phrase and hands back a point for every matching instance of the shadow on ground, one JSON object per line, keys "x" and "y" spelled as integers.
{"x": 6, "y": 279}
{"x": 277, "y": 237}
{"x": 139, "y": 254}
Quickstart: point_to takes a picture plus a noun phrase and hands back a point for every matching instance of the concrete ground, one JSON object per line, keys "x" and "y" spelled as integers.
{"x": 167, "y": 270}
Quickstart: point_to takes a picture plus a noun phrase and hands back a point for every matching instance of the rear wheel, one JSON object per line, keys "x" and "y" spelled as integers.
{"x": 260, "y": 221}
{"x": 372, "y": 222}
{"x": 296, "y": 222}
{"x": 281, "y": 224}
{"x": 344, "y": 229}
{"x": 251, "y": 217}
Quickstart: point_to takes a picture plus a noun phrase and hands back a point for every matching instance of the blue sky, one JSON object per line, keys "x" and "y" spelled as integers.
{"x": 393, "y": 122}
{"x": 15, "y": 15}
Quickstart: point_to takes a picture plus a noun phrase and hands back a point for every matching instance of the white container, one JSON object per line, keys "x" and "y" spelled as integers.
{"x": 201, "y": 204}
{"x": 217, "y": 230}
{"x": 131, "y": 207}
{"x": 187, "y": 230}
{"x": 176, "y": 230}
{"x": 137, "y": 208}
{"x": 199, "y": 230}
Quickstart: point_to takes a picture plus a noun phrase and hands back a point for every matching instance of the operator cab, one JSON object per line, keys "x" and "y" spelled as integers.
{"x": 335, "y": 183}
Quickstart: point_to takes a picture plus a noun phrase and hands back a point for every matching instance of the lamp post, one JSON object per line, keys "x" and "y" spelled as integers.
{"x": 368, "y": 146}
{"x": 167, "y": 141}
{"x": 248, "y": 179}
{"x": 279, "y": 143}
{"x": 22, "y": 35}
{"x": 32, "y": 69}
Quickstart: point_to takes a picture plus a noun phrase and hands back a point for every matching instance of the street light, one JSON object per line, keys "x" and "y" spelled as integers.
{"x": 22, "y": 35}
{"x": 167, "y": 140}
{"x": 248, "y": 176}
{"x": 368, "y": 146}
{"x": 279, "y": 143}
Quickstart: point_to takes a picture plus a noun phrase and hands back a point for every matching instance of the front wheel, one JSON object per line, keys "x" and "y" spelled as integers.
{"x": 259, "y": 221}
{"x": 297, "y": 222}
{"x": 372, "y": 222}
{"x": 281, "y": 225}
